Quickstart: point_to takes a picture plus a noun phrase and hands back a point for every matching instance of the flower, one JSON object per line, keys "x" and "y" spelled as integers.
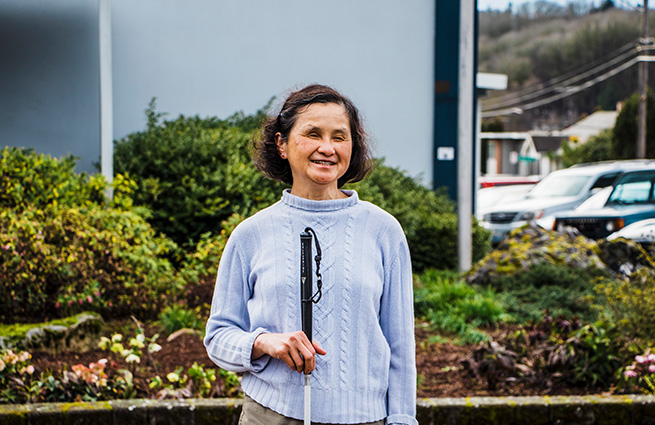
{"x": 640, "y": 359}
{"x": 133, "y": 358}
{"x": 104, "y": 343}
{"x": 30, "y": 369}
{"x": 89, "y": 299}
{"x": 173, "y": 377}
{"x": 2, "y": 365}
{"x": 630, "y": 374}
{"x": 651, "y": 368}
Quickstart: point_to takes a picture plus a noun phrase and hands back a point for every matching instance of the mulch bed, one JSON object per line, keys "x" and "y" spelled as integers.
{"x": 438, "y": 365}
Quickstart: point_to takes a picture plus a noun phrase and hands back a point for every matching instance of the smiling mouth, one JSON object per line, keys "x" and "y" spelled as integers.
{"x": 323, "y": 162}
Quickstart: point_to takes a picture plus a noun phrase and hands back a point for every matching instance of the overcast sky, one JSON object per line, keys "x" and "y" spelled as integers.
{"x": 502, "y": 4}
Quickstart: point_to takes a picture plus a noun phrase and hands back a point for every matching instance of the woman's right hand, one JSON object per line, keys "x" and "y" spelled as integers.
{"x": 294, "y": 348}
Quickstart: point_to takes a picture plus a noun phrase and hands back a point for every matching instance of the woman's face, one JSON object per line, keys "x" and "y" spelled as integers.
{"x": 318, "y": 150}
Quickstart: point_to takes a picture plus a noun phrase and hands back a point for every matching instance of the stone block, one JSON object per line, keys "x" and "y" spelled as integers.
{"x": 217, "y": 411}
{"x": 530, "y": 410}
{"x": 171, "y": 412}
{"x": 130, "y": 412}
{"x": 610, "y": 410}
{"x": 491, "y": 411}
{"x": 571, "y": 410}
{"x": 13, "y": 414}
{"x": 79, "y": 333}
{"x": 642, "y": 409}
{"x": 45, "y": 414}
{"x": 452, "y": 411}
{"x": 425, "y": 411}
{"x": 98, "y": 413}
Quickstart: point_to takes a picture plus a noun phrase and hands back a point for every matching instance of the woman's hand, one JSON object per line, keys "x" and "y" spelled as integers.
{"x": 293, "y": 348}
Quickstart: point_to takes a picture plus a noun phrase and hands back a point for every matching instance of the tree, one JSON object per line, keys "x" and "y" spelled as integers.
{"x": 597, "y": 148}
{"x": 624, "y": 142}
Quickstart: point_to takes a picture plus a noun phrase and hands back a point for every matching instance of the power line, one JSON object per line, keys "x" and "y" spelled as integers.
{"x": 562, "y": 84}
{"x": 559, "y": 79}
{"x": 571, "y": 90}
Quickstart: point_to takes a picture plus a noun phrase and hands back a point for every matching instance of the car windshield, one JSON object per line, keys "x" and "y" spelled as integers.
{"x": 596, "y": 201}
{"x": 559, "y": 185}
{"x": 633, "y": 189}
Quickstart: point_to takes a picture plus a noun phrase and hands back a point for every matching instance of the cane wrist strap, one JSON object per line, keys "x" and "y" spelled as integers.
{"x": 319, "y": 280}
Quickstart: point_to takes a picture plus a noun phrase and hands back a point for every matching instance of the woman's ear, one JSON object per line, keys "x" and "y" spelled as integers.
{"x": 281, "y": 145}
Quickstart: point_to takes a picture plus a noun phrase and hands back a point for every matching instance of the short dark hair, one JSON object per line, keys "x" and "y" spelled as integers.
{"x": 267, "y": 157}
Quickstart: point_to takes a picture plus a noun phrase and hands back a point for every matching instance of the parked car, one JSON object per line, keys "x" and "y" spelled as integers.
{"x": 561, "y": 190}
{"x": 631, "y": 200}
{"x": 493, "y": 196}
{"x": 594, "y": 202}
{"x": 506, "y": 180}
{"x": 642, "y": 231}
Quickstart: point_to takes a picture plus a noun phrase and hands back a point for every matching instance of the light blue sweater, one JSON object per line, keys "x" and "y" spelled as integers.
{"x": 365, "y": 319}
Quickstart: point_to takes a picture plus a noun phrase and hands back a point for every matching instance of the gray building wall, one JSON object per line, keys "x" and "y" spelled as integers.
{"x": 213, "y": 58}
{"x": 49, "y": 81}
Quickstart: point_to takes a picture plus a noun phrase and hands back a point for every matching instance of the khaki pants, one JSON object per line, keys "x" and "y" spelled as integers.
{"x": 254, "y": 413}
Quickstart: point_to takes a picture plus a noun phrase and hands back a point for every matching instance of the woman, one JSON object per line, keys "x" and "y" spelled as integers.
{"x": 362, "y": 359}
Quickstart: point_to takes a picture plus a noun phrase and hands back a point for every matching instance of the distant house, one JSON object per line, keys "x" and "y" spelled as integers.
{"x": 591, "y": 125}
{"x": 509, "y": 154}
{"x": 536, "y": 152}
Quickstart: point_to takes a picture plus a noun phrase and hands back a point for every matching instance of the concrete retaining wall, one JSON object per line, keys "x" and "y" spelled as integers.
{"x": 587, "y": 410}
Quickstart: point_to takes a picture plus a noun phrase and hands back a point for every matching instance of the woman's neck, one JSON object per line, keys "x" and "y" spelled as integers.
{"x": 319, "y": 195}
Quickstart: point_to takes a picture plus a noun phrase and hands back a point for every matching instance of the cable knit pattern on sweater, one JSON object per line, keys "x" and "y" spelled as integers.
{"x": 365, "y": 320}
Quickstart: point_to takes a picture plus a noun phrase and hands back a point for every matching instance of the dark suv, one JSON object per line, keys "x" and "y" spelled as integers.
{"x": 631, "y": 200}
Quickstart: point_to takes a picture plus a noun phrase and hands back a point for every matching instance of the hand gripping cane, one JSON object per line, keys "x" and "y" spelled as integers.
{"x": 307, "y": 299}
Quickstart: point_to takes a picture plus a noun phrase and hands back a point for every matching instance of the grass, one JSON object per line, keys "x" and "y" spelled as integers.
{"x": 455, "y": 308}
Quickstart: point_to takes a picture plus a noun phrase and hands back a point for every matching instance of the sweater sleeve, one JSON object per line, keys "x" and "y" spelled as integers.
{"x": 228, "y": 337}
{"x": 397, "y": 322}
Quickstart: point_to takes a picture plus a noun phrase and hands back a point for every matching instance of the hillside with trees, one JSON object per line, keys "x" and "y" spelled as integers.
{"x": 562, "y": 62}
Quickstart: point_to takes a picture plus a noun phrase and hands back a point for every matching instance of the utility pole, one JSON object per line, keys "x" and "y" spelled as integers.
{"x": 465, "y": 131}
{"x": 643, "y": 85}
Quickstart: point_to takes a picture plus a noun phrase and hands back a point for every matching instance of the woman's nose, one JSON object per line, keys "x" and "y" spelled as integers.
{"x": 326, "y": 147}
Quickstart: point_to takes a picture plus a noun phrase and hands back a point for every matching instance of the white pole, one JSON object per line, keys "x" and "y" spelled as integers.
{"x": 643, "y": 86}
{"x": 106, "y": 100}
{"x": 465, "y": 131}
{"x": 308, "y": 400}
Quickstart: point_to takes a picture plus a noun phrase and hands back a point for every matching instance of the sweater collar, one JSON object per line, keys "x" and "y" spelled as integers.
{"x": 327, "y": 205}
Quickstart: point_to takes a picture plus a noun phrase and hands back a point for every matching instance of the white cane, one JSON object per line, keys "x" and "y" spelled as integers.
{"x": 307, "y": 300}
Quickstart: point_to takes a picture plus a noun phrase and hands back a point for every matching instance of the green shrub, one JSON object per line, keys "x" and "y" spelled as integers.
{"x": 560, "y": 289}
{"x": 597, "y": 148}
{"x": 203, "y": 261}
{"x": 35, "y": 180}
{"x": 59, "y": 261}
{"x": 632, "y": 303}
{"x": 452, "y": 306}
{"x": 552, "y": 350}
{"x": 176, "y": 317}
{"x": 428, "y": 218}
{"x": 193, "y": 173}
